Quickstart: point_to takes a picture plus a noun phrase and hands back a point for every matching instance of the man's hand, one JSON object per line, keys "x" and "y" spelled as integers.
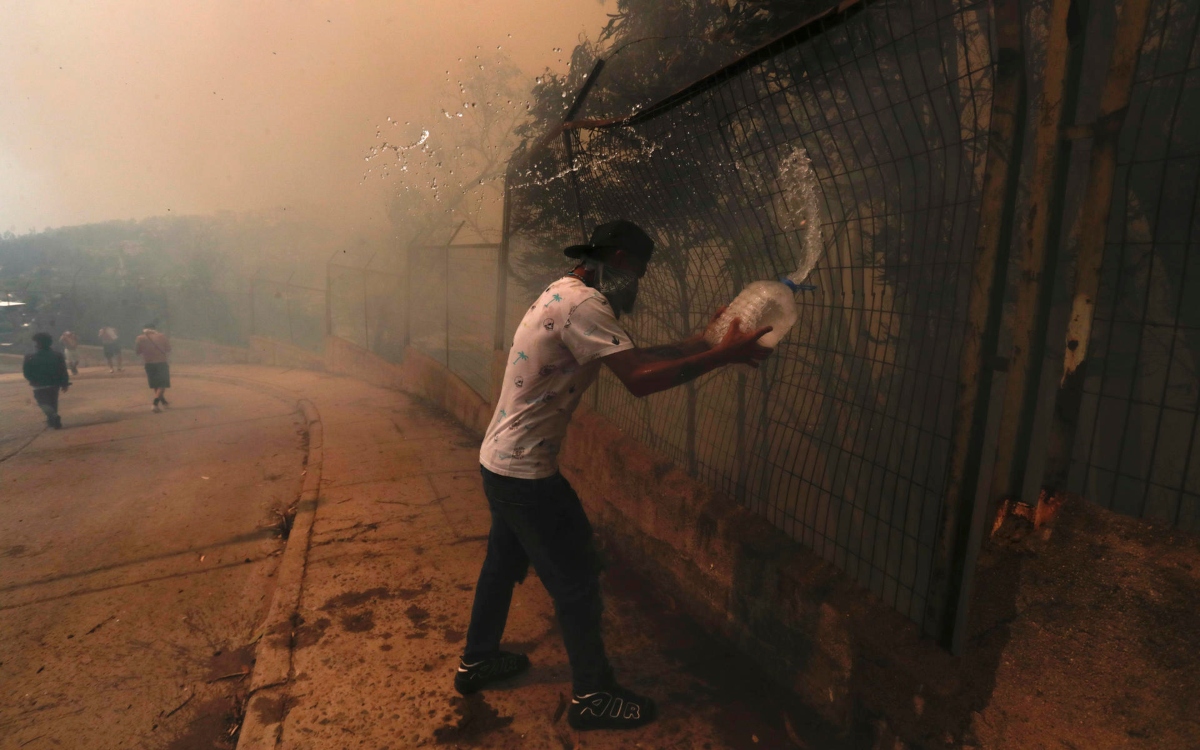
{"x": 742, "y": 347}
{"x": 64, "y": 388}
{"x": 697, "y": 341}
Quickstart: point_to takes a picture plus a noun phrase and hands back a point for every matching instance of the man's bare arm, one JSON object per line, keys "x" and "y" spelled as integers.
{"x": 658, "y": 368}
{"x": 678, "y": 350}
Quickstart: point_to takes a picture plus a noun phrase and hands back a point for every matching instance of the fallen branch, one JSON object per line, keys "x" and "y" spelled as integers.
{"x": 101, "y": 624}
{"x": 237, "y": 675}
{"x": 181, "y": 705}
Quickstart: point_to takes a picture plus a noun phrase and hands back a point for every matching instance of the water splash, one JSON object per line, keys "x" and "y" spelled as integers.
{"x": 801, "y": 209}
{"x": 644, "y": 149}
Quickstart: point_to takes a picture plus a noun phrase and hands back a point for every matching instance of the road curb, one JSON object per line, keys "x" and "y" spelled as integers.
{"x": 273, "y": 654}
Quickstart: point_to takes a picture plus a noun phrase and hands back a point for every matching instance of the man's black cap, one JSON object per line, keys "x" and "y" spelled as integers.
{"x": 620, "y": 234}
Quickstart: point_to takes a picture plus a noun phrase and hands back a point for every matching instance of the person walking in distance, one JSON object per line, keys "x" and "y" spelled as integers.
{"x": 46, "y": 371}
{"x": 153, "y": 347}
{"x": 70, "y": 344}
{"x": 112, "y": 346}
{"x": 536, "y": 517}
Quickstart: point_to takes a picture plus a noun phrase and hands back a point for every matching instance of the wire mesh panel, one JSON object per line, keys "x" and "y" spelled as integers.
{"x": 427, "y": 308}
{"x": 216, "y": 313}
{"x": 306, "y": 317}
{"x": 348, "y": 303}
{"x": 471, "y": 315}
{"x": 842, "y": 439}
{"x": 1137, "y": 450}
{"x": 270, "y": 309}
{"x": 386, "y": 305}
{"x": 288, "y": 312}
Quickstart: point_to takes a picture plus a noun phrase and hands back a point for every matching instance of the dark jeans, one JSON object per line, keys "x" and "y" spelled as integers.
{"x": 541, "y": 521}
{"x": 47, "y": 401}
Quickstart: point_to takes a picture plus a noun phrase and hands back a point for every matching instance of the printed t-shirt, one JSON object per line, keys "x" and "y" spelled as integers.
{"x": 555, "y": 356}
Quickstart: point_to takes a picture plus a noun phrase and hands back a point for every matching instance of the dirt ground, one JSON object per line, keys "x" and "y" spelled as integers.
{"x": 136, "y": 558}
{"x": 1092, "y": 625}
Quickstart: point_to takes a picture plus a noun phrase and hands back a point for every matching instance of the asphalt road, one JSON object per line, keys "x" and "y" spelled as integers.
{"x": 137, "y": 552}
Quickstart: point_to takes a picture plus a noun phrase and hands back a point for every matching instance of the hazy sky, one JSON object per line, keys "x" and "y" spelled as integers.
{"x": 117, "y": 109}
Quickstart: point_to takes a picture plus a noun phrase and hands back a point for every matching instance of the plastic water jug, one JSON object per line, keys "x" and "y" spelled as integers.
{"x": 761, "y": 303}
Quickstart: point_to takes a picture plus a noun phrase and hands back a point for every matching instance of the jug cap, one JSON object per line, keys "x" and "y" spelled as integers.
{"x": 798, "y": 287}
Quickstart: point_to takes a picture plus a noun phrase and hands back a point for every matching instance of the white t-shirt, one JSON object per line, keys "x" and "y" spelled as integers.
{"x": 555, "y": 356}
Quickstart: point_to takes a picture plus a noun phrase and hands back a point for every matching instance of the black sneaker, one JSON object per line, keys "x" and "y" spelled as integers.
{"x": 615, "y": 708}
{"x": 163, "y": 400}
{"x": 499, "y": 666}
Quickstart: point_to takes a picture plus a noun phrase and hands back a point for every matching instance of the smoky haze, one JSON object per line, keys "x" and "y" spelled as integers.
{"x": 121, "y": 109}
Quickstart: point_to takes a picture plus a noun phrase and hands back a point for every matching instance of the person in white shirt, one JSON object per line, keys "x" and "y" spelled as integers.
{"x": 536, "y": 516}
{"x": 112, "y": 347}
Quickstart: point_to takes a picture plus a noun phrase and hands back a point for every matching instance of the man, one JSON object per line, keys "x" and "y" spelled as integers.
{"x": 112, "y": 347}
{"x": 46, "y": 371}
{"x": 69, "y": 343}
{"x": 536, "y": 516}
{"x": 153, "y": 347}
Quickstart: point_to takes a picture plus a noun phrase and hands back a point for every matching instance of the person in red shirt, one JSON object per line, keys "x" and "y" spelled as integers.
{"x": 153, "y": 347}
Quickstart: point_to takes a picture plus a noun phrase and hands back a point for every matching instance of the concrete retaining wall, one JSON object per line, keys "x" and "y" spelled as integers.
{"x": 418, "y": 374}
{"x": 192, "y": 352}
{"x": 853, "y": 659}
{"x": 265, "y": 351}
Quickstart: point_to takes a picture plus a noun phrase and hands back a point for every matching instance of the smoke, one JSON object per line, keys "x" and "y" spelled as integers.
{"x": 121, "y": 109}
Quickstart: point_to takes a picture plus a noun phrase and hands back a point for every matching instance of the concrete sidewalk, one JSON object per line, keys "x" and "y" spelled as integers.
{"x": 399, "y": 532}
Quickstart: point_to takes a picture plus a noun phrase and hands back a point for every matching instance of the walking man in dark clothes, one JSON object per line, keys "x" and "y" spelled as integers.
{"x": 46, "y": 371}
{"x": 536, "y": 515}
{"x": 154, "y": 348}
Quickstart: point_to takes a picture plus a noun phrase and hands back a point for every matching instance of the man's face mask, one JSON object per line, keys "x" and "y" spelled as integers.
{"x": 619, "y": 287}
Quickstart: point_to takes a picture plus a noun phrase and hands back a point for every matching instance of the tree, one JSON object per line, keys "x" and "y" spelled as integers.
{"x": 452, "y": 170}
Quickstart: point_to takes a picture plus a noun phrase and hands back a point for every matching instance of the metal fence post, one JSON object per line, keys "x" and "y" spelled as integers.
{"x": 502, "y": 265}
{"x": 446, "y": 256}
{"x": 1038, "y": 255}
{"x": 566, "y": 137}
{"x": 408, "y": 294}
{"x": 287, "y": 307}
{"x": 1088, "y": 234}
{"x": 366, "y": 304}
{"x": 329, "y": 294}
{"x": 984, "y": 307}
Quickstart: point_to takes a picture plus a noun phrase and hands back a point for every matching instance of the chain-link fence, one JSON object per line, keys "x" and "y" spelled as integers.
{"x": 1136, "y": 449}
{"x": 288, "y": 305}
{"x": 367, "y": 300}
{"x": 843, "y": 439}
{"x": 452, "y": 307}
